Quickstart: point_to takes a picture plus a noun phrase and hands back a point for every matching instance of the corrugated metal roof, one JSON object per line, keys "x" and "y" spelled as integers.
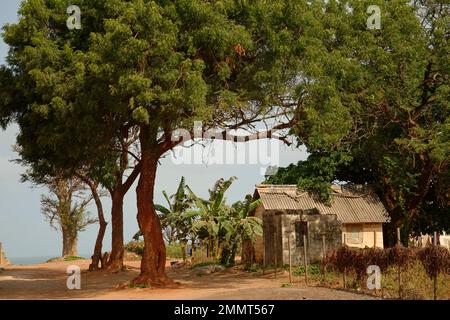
{"x": 349, "y": 204}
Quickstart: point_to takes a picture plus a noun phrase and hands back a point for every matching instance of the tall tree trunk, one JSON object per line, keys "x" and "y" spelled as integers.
{"x": 153, "y": 261}
{"x": 70, "y": 242}
{"x": 97, "y": 256}
{"x": 115, "y": 262}
{"x": 183, "y": 245}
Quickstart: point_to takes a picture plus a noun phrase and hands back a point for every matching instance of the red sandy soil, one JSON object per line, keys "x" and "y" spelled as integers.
{"x": 48, "y": 281}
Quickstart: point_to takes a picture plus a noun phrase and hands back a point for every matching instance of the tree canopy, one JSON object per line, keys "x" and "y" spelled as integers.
{"x": 150, "y": 68}
{"x": 394, "y": 86}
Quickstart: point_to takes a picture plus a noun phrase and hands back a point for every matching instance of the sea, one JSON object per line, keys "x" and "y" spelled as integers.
{"x": 20, "y": 261}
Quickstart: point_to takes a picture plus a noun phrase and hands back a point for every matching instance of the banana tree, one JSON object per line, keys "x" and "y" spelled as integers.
{"x": 242, "y": 227}
{"x": 222, "y": 226}
{"x": 213, "y": 213}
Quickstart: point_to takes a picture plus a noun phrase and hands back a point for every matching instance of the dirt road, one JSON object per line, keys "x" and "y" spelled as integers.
{"x": 48, "y": 281}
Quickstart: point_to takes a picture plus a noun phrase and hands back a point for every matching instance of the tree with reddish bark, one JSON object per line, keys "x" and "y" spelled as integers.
{"x": 153, "y": 67}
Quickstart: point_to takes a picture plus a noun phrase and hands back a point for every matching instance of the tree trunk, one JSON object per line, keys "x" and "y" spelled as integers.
{"x": 153, "y": 261}
{"x": 97, "y": 256}
{"x": 70, "y": 243}
{"x": 115, "y": 262}
{"x": 183, "y": 246}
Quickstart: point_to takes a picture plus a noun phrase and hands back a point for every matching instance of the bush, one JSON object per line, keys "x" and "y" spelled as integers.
{"x": 72, "y": 258}
{"x": 400, "y": 256}
{"x": 136, "y": 247}
{"x": 435, "y": 260}
{"x": 344, "y": 259}
{"x": 174, "y": 251}
{"x": 313, "y": 269}
{"x": 66, "y": 258}
{"x": 252, "y": 268}
{"x": 404, "y": 269}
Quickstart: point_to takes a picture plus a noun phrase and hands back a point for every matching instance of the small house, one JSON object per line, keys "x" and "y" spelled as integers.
{"x": 354, "y": 216}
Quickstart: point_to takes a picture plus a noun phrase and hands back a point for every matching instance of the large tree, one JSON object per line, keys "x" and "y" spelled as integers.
{"x": 151, "y": 67}
{"x": 389, "y": 92}
{"x": 67, "y": 126}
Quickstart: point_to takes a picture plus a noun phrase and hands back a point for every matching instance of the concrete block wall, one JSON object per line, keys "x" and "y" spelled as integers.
{"x": 317, "y": 226}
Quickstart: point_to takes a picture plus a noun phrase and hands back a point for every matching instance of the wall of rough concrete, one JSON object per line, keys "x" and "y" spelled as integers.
{"x": 317, "y": 226}
{"x": 279, "y": 232}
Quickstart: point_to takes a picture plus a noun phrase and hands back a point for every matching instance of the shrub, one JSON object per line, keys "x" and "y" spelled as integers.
{"x": 435, "y": 260}
{"x": 400, "y": 256}
{"x": 313, "y": 269}
{"x": 252, "y": 268}
{"x": 174, "y": 251}
{"x": 66, "y": 258}
{"x": 135, "y": 246}
{"x": 72, "y": 258}
{"x": 344, "y": 259}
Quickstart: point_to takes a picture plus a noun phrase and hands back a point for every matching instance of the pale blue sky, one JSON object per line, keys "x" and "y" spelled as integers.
{"x": 25, "y": 233}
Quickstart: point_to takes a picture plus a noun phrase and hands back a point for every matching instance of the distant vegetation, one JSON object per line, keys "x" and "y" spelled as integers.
{"x": 213, "y": 230}
{"x": 66, "y": 258}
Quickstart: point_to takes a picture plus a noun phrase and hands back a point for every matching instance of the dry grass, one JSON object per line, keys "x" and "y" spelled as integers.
{"x": 416, "y": 284}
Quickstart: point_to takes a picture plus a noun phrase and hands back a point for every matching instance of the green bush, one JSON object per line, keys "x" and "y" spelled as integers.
{"x": 136, "y": 247}
{"x": 174, "y": 251}
{"x": 66, "y": 258}
{"x": 313, "y": 269}
{"x": 252, "y": 268}
{"x": 72, "y": 258}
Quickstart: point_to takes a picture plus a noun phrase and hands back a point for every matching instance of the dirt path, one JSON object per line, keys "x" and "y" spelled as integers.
{"x": 48, "y": 281}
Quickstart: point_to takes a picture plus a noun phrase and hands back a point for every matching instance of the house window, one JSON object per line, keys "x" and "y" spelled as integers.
{"x": 300, "y": 230}
{"x": 355, "y": 234}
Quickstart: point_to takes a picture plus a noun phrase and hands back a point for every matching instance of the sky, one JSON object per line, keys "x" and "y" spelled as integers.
{"x": 24, "y": 231}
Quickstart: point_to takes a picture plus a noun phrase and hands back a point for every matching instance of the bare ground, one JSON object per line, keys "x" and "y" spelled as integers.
{"x": 48, "y": 281}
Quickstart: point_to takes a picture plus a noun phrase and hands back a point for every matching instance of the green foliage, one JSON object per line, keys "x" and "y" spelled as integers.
{"x": 376, "y": 109}
{"x": 313, "y": 269}
{"x": 176, "y": 220}
{"x": 135, "y": 246}
{"x": 154, "y": 66}
{"x": 72, "y": 258}
{"x": 174, "y": 251}
{"x": 222, "y": 227}
{"x": 66, "y": 258}
{"x": 253, "y": 268}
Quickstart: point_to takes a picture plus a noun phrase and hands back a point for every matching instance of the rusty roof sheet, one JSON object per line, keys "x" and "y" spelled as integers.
{"x": 349, "y": 204}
